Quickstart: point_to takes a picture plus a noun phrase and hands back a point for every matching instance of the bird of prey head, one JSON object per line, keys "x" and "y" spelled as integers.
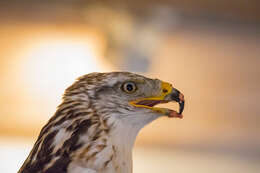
{"x": 95, "y": 126}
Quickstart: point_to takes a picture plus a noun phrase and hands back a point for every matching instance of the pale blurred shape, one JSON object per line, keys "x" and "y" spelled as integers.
{"x": 13, "y": 153}
{"x": 53, "y": 65}
{"x": 35, "y": 78}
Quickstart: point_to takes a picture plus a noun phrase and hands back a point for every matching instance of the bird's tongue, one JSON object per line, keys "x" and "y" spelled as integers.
{"x": 174, "y": 114}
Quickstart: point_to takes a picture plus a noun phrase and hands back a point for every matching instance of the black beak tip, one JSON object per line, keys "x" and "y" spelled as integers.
{"x": 181, "y": 104}
{"x": 178, "y": 97}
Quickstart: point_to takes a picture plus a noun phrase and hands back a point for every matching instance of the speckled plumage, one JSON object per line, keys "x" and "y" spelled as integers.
{"x": 94, "y": 128}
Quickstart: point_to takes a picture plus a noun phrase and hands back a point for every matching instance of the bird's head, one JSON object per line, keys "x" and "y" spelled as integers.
{"x": 96, "y": 124}
{"x": 124, "y": 94}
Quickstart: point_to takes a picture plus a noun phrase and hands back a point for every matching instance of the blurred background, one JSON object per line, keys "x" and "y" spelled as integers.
{"x": 210, "y": 50}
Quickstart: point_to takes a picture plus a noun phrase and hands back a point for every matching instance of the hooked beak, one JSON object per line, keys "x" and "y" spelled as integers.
{"x": 177, "y": 96}
{"x": 167, "y": 94}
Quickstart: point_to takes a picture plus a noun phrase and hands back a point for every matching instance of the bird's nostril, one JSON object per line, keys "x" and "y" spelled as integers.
{"x": 165, "y": 90}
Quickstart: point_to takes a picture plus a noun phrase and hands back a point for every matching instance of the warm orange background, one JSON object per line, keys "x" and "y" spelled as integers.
{"x": 208, "y": 52}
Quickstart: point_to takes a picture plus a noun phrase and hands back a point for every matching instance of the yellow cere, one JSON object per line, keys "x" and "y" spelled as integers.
{"x": 166, "y": 86}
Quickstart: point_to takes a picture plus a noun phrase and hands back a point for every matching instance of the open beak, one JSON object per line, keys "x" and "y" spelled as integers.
{"x": 167, "y": 94}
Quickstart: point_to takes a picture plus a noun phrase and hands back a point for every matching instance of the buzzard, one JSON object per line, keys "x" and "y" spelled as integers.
{"x": 95, "y": 126}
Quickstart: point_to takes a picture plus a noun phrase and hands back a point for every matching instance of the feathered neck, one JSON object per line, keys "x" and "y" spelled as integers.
{"x": 123, "y": 134}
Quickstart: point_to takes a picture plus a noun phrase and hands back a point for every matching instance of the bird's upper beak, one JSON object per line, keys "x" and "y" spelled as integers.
{"x": 167, "y": 94}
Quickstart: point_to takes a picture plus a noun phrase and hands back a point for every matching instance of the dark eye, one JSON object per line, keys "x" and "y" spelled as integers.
{"x": 129, "y": 87}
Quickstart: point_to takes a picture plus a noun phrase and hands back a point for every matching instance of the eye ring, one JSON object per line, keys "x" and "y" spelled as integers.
{"x": 129, "y": 87}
